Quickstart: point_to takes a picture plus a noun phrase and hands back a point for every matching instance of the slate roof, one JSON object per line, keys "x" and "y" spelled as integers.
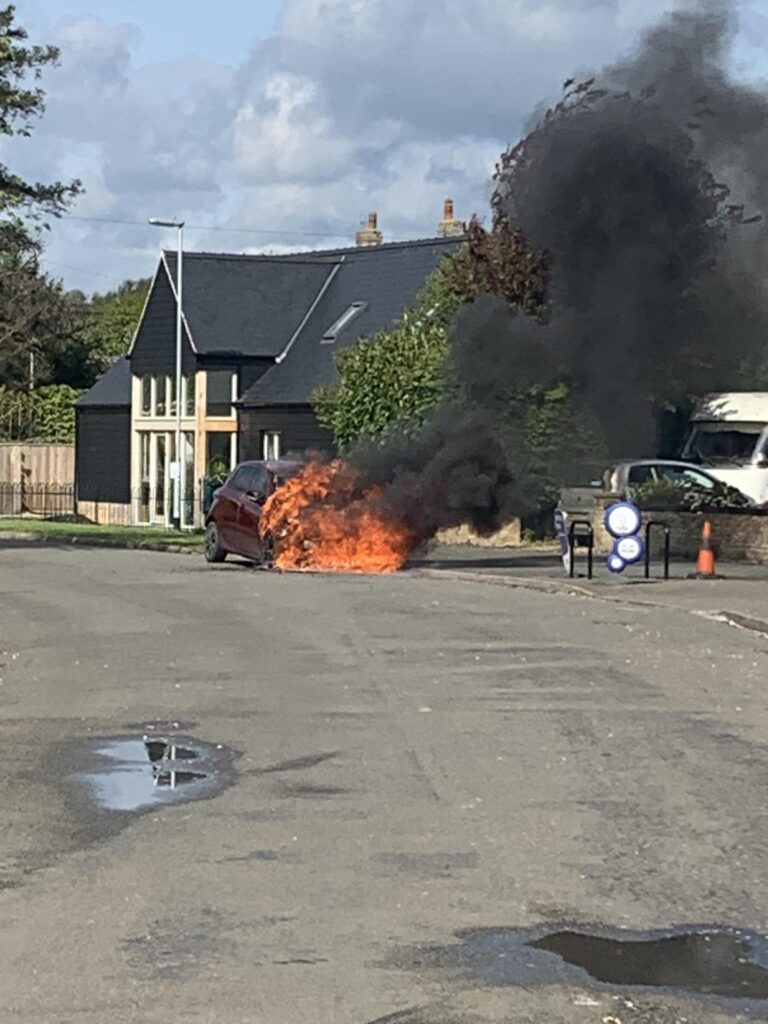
{"x": 253, "y": 305}
{"x": 248, "y": 305}
{"x": 113, "y": 387}
{"x": 387, "y": 278}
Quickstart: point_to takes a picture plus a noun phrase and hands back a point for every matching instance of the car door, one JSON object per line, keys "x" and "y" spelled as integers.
{"x": 224, "y": 513}
{"x": 249, "y": 512}
{"x": 228, "y": 504}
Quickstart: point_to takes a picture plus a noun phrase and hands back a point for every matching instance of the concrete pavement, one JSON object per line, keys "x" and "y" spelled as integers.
{"x": 738, "y": 594}
{"x": 416, "y": 755}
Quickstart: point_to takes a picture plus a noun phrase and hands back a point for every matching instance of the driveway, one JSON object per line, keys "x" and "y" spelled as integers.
{"x": 403, "y": 759}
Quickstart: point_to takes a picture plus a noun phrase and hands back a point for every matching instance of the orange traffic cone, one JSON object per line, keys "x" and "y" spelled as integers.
{"x": 705, "y": 563}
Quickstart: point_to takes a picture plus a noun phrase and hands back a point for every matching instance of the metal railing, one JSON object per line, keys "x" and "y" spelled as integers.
{"x": 667, "y": 541}
{"x": 144, "y": 507}
{"x": 585, "y": 531}
{"x": 49, "y": 501}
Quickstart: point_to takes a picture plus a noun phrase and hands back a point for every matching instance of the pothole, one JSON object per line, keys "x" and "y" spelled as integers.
{"x": 130, "y": 773}
{"x": 702, "y": 960}
{"x": 713, "y": 962}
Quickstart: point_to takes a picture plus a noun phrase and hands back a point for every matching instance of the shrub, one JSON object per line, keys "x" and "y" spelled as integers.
{"x": 674, "y": 496}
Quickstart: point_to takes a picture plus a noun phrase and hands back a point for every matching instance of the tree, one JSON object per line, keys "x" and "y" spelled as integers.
{"x": 112, "y": 321}
{"x": 24, "y": 206}
{"x": 45, "y": 414}
{"x": 394, "y": 377}
{"x": 35, "y": 315}
{"x": 500, "y": 262}
{"x": 39, "y": 319}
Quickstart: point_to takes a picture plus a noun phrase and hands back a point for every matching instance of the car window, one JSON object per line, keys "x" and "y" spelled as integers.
{"x": 285, "y": 473}
{"x": 728, "y": 445}
{"x": 698, "y": 479}
{"x": 640, "y": 475}
{"x": 243, "y": 479}
{"x": 684, "y": 475}
{"x": 259, "y": 481}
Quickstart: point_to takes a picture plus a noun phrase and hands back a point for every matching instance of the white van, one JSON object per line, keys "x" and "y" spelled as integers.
{"x": 729, "y": 436}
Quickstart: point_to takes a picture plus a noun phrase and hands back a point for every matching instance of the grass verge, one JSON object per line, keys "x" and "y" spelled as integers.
{"x": 90, "y": 533}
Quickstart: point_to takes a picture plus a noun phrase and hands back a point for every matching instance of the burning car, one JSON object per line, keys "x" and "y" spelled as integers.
{"x": 307, "y": 516}
{"x": 232, "y": 523}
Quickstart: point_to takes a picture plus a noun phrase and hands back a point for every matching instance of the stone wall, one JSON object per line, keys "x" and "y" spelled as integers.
{"x": 736, "y": 536}
{"x": 509, "y": 536}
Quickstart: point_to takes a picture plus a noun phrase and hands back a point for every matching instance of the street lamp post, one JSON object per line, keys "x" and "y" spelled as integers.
{"x": 176, "y": 465}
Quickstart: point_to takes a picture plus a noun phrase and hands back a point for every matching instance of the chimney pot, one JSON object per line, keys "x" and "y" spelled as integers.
{"x": 450, "y": 226}
{"x": 369, "y": 235}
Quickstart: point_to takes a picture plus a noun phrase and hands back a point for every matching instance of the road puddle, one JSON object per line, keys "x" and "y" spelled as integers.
{"x": 703, "y": 960}
{"x": 130, "y": 774}
{"x": 709, "y": 962}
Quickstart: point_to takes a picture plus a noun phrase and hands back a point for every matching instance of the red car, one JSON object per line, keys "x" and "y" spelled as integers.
{"x": 232, "y": 522}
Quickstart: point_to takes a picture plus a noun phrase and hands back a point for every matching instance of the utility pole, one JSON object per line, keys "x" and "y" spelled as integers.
{"x": 176, "y": 464}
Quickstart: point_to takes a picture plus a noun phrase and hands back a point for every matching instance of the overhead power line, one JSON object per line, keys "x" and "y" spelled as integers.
{"x": 80, "y": 270}
{"x": 336, "y": 231}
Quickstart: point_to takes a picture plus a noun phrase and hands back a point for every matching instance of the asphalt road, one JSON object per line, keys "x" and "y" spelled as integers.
{"x": 413, "y": 756}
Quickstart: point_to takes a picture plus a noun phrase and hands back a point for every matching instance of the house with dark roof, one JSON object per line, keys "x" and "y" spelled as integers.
{"x": 259, "y": 335}
{"x": 103, "y": 447}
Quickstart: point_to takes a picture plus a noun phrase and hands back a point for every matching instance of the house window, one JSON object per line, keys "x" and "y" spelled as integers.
{"x": 344, "y": 321}
{"x": 160, "y": 392}
{"x": 270, "y": 444}
{"x": 219, "y": 454}
{"x": 144, "y": 475}
{"x": 188, "y": 479}
{"x": 188, "y": 388}
{"x": 160, "y": 473}
{"x": 220, "y": 392}
{"x": 146, "y": 396}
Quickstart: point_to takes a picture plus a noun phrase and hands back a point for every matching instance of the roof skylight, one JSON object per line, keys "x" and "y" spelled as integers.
{"x": 344, "y": 321}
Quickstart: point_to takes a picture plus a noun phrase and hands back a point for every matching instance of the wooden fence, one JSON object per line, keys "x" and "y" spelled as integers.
{"x": 30, "y": 463}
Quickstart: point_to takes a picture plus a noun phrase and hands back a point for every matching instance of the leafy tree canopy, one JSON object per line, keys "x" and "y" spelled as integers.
{"x": 396, "y": 376}
{"x": 36, "y": 316}
{"x": 24, "y": 206}
{"x": 112, "y": 321}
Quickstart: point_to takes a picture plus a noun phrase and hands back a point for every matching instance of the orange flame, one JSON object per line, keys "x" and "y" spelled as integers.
{"x": 321, "y": 520}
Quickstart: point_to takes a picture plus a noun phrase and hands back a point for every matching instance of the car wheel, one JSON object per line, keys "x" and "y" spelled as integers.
{"x": 268, "y": 550}
{"x": 214, "y": 551}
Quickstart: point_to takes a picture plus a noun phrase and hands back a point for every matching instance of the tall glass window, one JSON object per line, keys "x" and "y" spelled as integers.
{"x": 144, "y": 476}
{"x": 188, "y": 470}
{"x": 219, "y": 391}
{"x": 218, "y": 455}
{"x": 189, "y": 395}
{"x": 146, "y": 396}
{"x": 270, "y": 444}
{"x": 160, "y": 477}
{"x": 160, "y": 392}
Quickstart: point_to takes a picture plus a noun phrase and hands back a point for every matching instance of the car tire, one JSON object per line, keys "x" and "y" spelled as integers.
{"x": 268, "y": 550}
{"x": 214, "y": 550}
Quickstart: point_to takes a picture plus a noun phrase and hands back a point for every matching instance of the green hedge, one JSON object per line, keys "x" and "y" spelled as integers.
{"x": 45, "y": 414}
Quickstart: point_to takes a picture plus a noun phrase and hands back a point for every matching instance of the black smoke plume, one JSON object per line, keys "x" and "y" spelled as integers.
{"x": 452, "y": 471}
{"x": 646, "y": 186}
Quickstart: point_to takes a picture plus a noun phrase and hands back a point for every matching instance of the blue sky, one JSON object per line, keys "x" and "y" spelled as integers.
{"x": 282, "y": 123}
{"x": 170, "y": 28}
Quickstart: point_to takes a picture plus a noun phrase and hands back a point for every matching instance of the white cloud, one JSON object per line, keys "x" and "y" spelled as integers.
{"x": 354, "y": 105}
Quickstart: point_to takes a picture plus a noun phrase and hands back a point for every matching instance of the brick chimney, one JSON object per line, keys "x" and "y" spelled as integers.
{"x": 450, "y": 226}
{"x": 369, "y": 235}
